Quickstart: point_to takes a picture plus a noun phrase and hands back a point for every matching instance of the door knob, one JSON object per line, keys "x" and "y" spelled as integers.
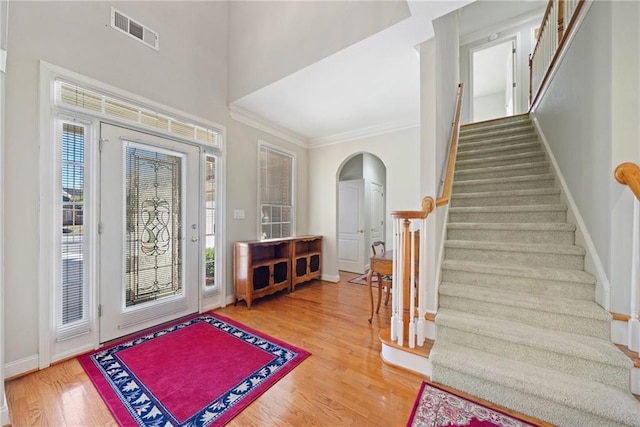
{"x": 194, "y": 238}
{"x": 360, "y": 231}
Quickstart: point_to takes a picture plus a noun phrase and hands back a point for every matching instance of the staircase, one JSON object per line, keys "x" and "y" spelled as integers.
{"x": 517, "y": 322}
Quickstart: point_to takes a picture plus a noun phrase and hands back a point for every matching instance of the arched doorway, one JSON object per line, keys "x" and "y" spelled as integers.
{"x": 361, "y": 207}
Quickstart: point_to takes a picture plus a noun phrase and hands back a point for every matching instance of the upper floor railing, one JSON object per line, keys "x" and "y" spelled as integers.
{"x": 557, "y": 24}
{"x": 629, "y": 174}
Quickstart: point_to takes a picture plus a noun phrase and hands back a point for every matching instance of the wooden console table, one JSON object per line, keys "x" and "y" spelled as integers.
{"x": 263, "y": 267}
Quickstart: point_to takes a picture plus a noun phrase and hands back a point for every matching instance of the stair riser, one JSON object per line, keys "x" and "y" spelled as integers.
{"x": 573, "y": 262}
{"x": 534, "y": 156}
{"x": 509, "y": 217}
{"x": 525, "y": 403}
{"x": 547, "y": 199}
{"x": 493, "y": 142}
{"x": 561, "y": 322}
{"x": 479, "y": 187}
{"x": 556, "y": 288}
{"x": 604, "y": 373}
{"x": 506, "y": 150}
{"x": 513, "y": 236}
{"x": 505, "y": 173}
{"x": 469, "y": 137}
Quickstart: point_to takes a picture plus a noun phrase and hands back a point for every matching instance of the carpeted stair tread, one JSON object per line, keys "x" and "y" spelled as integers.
{"x": 523, "y": 178}
{"x": 492, "y": 151}
{"x": 540, "y": 303}
{"x": 541, "y": 273}
{"x": 490, "y": 169}
{"x": 493, "y": 125}
{"x": 580, "y": 394}
{"x": 575, "y": 345}
{"x": 525, "y": 128}
{"x": 518, "y": 208}
{"x": 533, "y": 155}
{"x": 508, "y": 193}
{"x": 517, "y": 247}
{"x": 533, "y": 226}
{"x": 524, "y": 197}
{"x": 503, "y": 140}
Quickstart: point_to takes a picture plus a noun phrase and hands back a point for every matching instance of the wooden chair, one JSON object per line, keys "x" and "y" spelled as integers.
{"x": 385, "y": 281}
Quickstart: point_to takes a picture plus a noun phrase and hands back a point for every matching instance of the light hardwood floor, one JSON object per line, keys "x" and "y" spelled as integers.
{"x": 343, "y": 383}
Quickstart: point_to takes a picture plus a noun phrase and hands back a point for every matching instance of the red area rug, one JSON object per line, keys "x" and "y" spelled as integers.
{"x": 198, "y": 372}
{"x": 437, "y": 407}
{"x": 362, "y": 280}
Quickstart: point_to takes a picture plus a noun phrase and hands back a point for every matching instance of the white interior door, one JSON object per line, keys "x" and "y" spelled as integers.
{"x": 351, "y": 226}
{"x": 149, "y": 249}
{"x": 377, "y": 212}
{"x": 510, "y": 89}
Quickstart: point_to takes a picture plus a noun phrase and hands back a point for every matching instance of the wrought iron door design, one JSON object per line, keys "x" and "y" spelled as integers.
{"x": 153, "y": 251}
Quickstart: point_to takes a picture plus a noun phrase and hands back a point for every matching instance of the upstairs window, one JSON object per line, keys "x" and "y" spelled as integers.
{"x": 276, "y": 192}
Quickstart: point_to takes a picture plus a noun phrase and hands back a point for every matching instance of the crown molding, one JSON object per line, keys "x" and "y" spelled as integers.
{"x": 248, "y": 118}
{"x": 362, "y": 133}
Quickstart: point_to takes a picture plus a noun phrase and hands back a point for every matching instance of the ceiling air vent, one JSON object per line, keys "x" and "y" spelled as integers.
{"x": 122, "y": 23}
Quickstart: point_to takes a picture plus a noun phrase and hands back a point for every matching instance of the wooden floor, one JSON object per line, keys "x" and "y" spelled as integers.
{"x": 343, "y": 383}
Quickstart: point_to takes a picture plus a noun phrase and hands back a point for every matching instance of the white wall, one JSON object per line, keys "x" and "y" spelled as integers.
{"x": 270, "y": 40}
{"x": 489, "y": 106}
{"x": 524, "y": 45}
{"x": 590, "y": 117}
{"x": 242, "y": 186}
{"x": 447, "y": 78}
{"x": 188, "y": 73}
{"x": 396, "y": 150}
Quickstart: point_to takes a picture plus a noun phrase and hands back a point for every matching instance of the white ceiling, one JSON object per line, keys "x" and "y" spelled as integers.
{"x": 370, "y": 86}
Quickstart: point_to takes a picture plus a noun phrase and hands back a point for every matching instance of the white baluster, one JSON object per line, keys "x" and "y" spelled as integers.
{"x": 394, "y": 283}
{"x": 633, "y": 327}
{"x": 399, "y": 294}
{"x": 422, "y": 283}
{"x": 412, "y": 291}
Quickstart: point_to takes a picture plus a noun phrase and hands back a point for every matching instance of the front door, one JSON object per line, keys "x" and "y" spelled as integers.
{"x": 149, "y": 228}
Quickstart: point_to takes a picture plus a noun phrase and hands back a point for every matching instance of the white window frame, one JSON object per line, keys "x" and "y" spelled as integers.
{"x": 263, "y": 144}
{"x": 50, "y": 349}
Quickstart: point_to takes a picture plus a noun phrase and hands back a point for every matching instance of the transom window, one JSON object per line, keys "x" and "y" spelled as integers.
{"x": 276, "y": 192}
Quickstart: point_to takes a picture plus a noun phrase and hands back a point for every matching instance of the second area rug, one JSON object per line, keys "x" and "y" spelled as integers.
{"x": 438, "y": 406}
{"x": 198, "y": 372}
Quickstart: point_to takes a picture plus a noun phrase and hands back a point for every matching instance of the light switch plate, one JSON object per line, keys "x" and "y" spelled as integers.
{"x": 238, "y": 214}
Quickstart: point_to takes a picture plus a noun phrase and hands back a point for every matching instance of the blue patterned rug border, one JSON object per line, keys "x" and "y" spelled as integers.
{"x": 147, "y": 410}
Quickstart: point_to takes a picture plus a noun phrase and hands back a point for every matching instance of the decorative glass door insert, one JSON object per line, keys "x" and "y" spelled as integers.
{"x": 153, "y": 234}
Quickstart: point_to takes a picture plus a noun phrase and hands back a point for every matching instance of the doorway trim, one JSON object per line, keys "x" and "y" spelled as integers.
{"x": 48, "y": 350}
{"x": 516, "y": 38}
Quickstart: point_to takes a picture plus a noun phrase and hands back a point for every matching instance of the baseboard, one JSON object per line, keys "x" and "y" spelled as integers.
{"x": 635, "y": 381}
{"x": 330, "y": 278}
{"x": 4, "y": 412}
{"x": 21, "y": 366}
{"x": 592, "y": 262}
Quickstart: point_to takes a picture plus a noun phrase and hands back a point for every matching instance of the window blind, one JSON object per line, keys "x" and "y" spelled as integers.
{"x": 276, "y": 193}
{"x": 77, "y": 97}
{"x": 71, "y": 287}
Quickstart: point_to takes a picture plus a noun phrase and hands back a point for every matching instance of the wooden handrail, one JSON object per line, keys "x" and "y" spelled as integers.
{"x": 629, "y": 174}
{"x": 453, "y": 149}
